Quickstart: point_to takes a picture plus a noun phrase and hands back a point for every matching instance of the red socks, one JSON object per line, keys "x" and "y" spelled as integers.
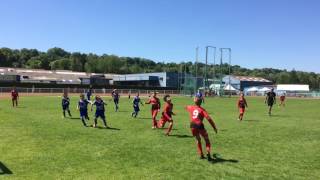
{"x": 208, "y": 147}
{"x": 170, "y": 128}
{"x": 154, "y": 121}
{"x": 199, "y": 148}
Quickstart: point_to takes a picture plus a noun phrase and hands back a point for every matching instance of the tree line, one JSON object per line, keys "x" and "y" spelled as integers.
{"x": 58, "y": 59}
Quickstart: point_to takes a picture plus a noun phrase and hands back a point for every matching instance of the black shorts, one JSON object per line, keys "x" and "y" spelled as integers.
{"x": 270, "y": 103}
{"x": 65, "y": 107}
{"x": 136, "y": 108}
{"x": 197, "y": 126}
{"x": 100, "y": 114}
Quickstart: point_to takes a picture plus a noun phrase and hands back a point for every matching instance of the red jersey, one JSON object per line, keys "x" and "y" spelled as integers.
{"x": 197, "y": 114}
{"x": 167, "y": 110}
{"x": 282, "y": 98}
{"x": 242, "y": 103}
{"x": 14, "y": 94}
{"x": 155, "y": 103}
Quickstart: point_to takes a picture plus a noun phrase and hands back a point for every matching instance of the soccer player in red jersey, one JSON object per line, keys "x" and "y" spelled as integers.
{"x": 14, "y": 97}
{"x": 242, "y": 104}
{"x": 155, "y": 108}
{"x": 167, "y": 114}
{"x": 197, "y": 113}
{"x": 282, "y": 100}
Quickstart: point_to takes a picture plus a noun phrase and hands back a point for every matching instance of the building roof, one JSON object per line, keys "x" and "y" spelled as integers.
{"x": 251, "y": 78}
{"x": 30, "y": 75}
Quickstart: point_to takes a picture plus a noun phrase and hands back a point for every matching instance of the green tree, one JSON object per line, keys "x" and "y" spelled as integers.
{"x": 34, "y": 63}
{"x": 78, "y": 61}
{"x": 63, "y": 64}
{"x": 57, "y": 53}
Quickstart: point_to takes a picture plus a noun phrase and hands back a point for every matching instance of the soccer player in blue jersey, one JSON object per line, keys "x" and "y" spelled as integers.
{"x": 136, "y": 101}
{"x": 83, "y": 108}
{"x": 65, "y": 104}
{"x": 200, "y": 95}
{"x": 89, "y": 93}
{"x": 115, "y": 96}
{"x": 99, "y": 111}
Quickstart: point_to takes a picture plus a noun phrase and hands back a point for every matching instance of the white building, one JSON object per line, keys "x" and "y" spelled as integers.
{"x": 242, "y": 82}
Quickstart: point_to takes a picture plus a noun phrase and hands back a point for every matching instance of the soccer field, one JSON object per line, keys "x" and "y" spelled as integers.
{"x": 37, "y": 143}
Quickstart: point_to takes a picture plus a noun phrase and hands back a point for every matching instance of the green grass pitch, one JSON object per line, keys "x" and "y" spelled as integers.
{"x": 36, "y": 143}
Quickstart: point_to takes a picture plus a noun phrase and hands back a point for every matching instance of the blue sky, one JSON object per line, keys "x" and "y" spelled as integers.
{"x": 282, "y": 34}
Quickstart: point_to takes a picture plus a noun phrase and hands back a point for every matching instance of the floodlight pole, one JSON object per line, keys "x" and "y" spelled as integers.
{"x": 229, "y": 51}
{"x": 179, "y": 77}
{"x": 220, "y": 76}
{"x": 205, "y": 75}
{"x": 185, "y": 75}
{"x": 196, "y": 65}
{"x": 319, "y": 83}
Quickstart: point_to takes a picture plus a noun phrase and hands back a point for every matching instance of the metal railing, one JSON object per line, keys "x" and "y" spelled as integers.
{"x": 6, "y": 90}
{"x": 106, "y": 92}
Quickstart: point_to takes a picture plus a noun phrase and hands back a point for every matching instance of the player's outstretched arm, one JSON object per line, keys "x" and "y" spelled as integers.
{"x": 148, "y": 102}
{"x": 212, "y": 124}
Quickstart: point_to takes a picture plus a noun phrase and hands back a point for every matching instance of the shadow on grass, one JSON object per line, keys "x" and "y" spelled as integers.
{"x": 122, "y": 111}
{"x": 165, "y": 128}
{"x": 251, "y": 120}
{"x": 21, "y": 107}
{"x": 181, "y": 136}
{"x": 278, "y": 115}
{"x": 110, "y": 128}
{"x": 4, "y": 169}
{"x": 74, "y": 118}
{"x": 217, "y": 159}
{"x": 143, "y": 118}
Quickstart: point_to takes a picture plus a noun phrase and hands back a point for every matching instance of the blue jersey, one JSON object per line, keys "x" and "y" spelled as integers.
{"x": 115, "y": 95}
{"x": 136, "y": 101}
{"x": 199, "y": 95}
{"x": 99, "y": 105}
{"x": 83, "y": 105}
{"x": 89, "y": 93}
{"x": 65, "y": 102}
